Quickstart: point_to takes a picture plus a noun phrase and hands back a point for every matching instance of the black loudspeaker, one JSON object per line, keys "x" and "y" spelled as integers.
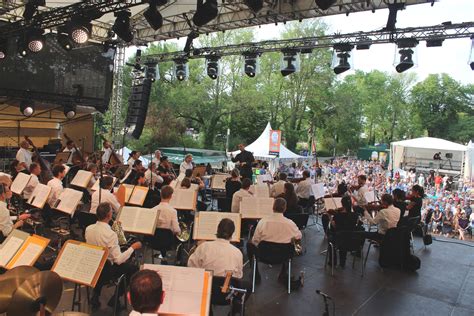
{"x": 138, "y": 107}
{"x": 449, "y": 155}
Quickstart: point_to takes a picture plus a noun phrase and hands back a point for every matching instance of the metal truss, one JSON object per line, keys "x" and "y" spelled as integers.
{"x": 117, "y": 93}
{"x": 306, "y": 44}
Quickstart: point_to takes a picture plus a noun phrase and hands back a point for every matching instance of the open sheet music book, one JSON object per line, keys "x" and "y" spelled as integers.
{"x": 138, "y": 220}
{"x": 68, "y": 201}
{"x": 256, "y": 207}
{"x": 80, "y": 262}
{"x": 20, "y": 183}
{"x": 332, "y": 203}
{"x": 39, "y": 196}
{"x": 218, "y": 181}
{"x": 62, "y": 157}
{"x": 260, "y": 190}
{"x": 137, "y": 195}
{"x": 318, "y": 190}
{"x": 21, "y": 249}
{"x": 184, "y": 199}
{"x": 188, "y": 290}
{"x": 82, "y": 179}
{"x": 205, "y": 225}
{"x": 96, "y": 185}
{"x": 370, "y": 196}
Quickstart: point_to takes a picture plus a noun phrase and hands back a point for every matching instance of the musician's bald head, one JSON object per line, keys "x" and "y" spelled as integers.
{"x": 146, "y": 291}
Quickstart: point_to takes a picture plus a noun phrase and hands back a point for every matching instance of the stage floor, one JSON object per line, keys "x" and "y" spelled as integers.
{"x": 444, "y": 285}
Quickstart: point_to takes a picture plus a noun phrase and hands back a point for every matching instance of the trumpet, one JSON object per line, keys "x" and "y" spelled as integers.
{"x": 117, "y": 228}
{"x": 185, "y": 232}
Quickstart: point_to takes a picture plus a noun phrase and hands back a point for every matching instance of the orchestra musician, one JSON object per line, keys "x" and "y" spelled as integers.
{"x": 278, "y": 187}
{"x": 24, "y": 155}
{"x": 245, "y": 160}
{"x": 56, "y": 185}
{"x": 326, "y": 217}
{"x": 153, "y": 180}
{"x": 35, "y": 171}
{"x": 399, "y": 201}
{"x": 107, "y": 152}
{"x": 104, "y": 194}
{"x": 16, "y": 167}
{"x": 303, "y": 190}
{"x": 6, "y": 223}
{"x": 233, "y": 184}
{"x": 101, "y": 234}
{"x": 165, "y": 171}
{"x": 359, "y": 198}
{"x": 239, "y": 195}
{"x": 187, "y": 164}
{"x": 416, "y": 201}
{"x": 146, "y": 293}
{"x": 133, "y": 156}
{"x": 289, "y": 195}
{"x": 157, "y": 158}
{"x": 132, "y": 172}
{"x": 385, "y": 219}
{"x": 195, "y": 180}
{"x": 70, "y": 147}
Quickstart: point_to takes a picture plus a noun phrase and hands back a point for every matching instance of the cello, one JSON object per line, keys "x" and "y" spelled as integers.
{"x": 46, "y": 173}
{"x": 77, "y": 157}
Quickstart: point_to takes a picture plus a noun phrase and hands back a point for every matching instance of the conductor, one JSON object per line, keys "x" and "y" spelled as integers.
{"x": 245, "y": 160}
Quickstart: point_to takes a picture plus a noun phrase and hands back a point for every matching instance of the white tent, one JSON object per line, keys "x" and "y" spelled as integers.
{"x": 420, "y": 151}
{"x": 126, "y": 155}
{"x": 261, "y": 146}
{"x": 469, "y": 163}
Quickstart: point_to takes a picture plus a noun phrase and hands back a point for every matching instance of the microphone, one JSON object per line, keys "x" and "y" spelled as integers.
{"x": 323, "y": 294}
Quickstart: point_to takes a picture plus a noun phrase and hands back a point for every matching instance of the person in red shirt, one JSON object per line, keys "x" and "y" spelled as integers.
{"x": 438, "y": 180}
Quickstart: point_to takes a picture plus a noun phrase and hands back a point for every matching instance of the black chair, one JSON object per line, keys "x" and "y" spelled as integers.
{"x": 349, "y": 241}
{"x": 301, "y": 220}
{"x": 217, "y": 297}
{"x": 85, "y": 219}
{"x": 410, "y": 225}
{"x": 273, "y": 253}
{"x": 163, "y": 241}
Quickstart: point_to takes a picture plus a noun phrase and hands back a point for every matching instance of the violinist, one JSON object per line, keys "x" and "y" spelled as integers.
{"x": 359, "y": 197}
{"x": 416, "y": 201}
{"x": 70, "y": 147}
{"x": 152, "y": 178}
{"x": 165, "y": 171}
{"x": 278, "y": 187}
{"x": 326, "y": 217}
{"x": 399, "y": 201}
{"x": 232, "y": 184}
{"x": 24, "y": 155}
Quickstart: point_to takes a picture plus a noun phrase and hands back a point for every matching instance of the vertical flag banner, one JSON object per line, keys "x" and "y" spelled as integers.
{"x": 275, "y": 141}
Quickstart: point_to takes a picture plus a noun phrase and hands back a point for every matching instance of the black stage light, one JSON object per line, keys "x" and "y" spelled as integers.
{"x": 122, "y": 26}
{"x": 27, "y": 107}
{"x": 80, "y": 31}
{"x": 254, "y": 5}
{"x": 69, "y": 111}
{"x": 342, "y": 58}
{"x": 406, "y": 49}
{"x": 22, "y": 46}
{"x": 35, "y": 40}
{"x": 324, "y": 4}
{"x": 153, "y": 16}
{"x": 251, "y": 64}
{"x": 471, "y": 55}
{"x": 434, "y": 42}
{"x": 205, "y": 12}
{"x": 343, "y": 63}
{"x": 181, "y": 68}
{"x": 289, "y": 62}
{"x": 212, "y": 65}
{"x": 64, "y": 40}
{"x": 3, "y": 49}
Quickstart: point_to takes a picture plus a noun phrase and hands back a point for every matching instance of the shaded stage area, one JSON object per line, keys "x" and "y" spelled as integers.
{"x": 442, "y": 286}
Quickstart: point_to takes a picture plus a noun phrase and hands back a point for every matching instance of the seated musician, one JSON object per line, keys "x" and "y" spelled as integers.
{"x": 132, "y": 173}
{"x": 362, "y": 189}
{"x": 278, "y": 187}
{"x": 165, "y": 171}
{"x": 35, "y": 171}
{"x": 239, "y": 195}
{"x": 70, "y": 147}
{"x": 56, "y": 184}
{"x": 107, "y": 152}
{"x": 24, "y": 156}
{"x": 157, "y": 158}
{"x": 153, "y": 180}
{"x": 399, "y": 201}
{"x": 104, "y": 195}
{"x": 187, "y": 164}
{"x": 101, "y": 234}
{"x": 303, "y": 189}
{"x": 6, "y": 223}
{"x": 194, "y": 180}
{"x": 416, "y": 201}
{"x": 291, "y": 199}
{"x": 92, "y": 168}
{"x": 16, "y": 167}
{"x": 343, "y": 220}
{"x": 132, "y": 157}
{"x": 146, "y": 293}
{"x": 385, "y": 219}
{"x": 275, "y": 228}
{"x": 233, "y": 183}
{"x": 326, "y": 217}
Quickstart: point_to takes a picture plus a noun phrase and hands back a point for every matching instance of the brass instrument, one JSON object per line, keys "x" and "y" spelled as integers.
{"x": 298, "y": 247}
{"x": 117, "y": 228}
{"x": 185, "y": 232}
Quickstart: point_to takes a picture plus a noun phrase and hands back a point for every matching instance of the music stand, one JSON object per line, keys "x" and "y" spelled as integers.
{"x": 62, "y": 157}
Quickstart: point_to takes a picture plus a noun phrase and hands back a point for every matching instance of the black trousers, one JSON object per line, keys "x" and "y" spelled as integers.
{"x": 113, "y": 272}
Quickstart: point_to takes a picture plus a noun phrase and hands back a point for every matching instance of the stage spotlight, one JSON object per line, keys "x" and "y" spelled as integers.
{"x": 471, "y": 55}
{"x": 342, "y": 57}
{"x": 205, "y": 12}
{"x": 153, "y": 16}
{"x": 251, "y": 65}
{"x": 290, "y": 62}
{"x": 122, "y": 26}
{"x": 35, "y": 40}
{"x": 212, "y": 66}
{"x": 254, "y": 5}
{"x": 80, "y": 31}
{"x": 27, "y": 107}
{"x": 64, "y": 40}
{"x": 434, "y": 42}
{"x": 3, "y": 49}
{"x": 22, "y": 46}
{"x": 324, "y": 4}
{"x": 69, "y": 111}
{"x": 406, "y": 48}
{"x": 151, "y": 72}
{"x": 181, "y": 70}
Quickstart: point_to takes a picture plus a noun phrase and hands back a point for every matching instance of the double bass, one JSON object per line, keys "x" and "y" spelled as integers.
{"x": 46, "y": 173}
{"x": 77, "y": 157}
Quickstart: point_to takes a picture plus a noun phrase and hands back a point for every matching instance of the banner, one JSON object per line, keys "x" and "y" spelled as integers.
{"x": 275, "y": 140}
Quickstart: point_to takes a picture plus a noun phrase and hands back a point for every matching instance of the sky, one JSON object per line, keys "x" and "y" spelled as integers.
{"x": 451, "y": 58}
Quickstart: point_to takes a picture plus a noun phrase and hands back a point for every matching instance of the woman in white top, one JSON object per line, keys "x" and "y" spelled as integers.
{"x": 186, "y": 164}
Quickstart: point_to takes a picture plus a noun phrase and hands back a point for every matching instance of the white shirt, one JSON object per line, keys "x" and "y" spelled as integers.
{"x": 105, "y": 196}
{"x": 101, "y": 234}
{"x": 237, "y": 198}
{"x": 219, "y": 256}
{"x": 167, "y": 218}
{"x": 303, "y": 189}
{"x": 6, "y": 223}
{"x": 156, "y": 161}
{"x": 30, "y": 186}
{"x": 72, "y": 151}
{"x": 56, "y": 186}
{"x": 277, "y": 188}
{"x": 152, "y": 177}
{"x": 360, "y": 196}
{"x": 134, "y": 313}
{"x": 185, "y": 166}
{"x": 24, "y": 155}
{"x": 385, "y": 219}
{"x": 276, "y": 228}
{"x": 106, "y": 155}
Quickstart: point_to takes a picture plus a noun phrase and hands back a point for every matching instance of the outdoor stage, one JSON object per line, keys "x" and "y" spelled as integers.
{"x": 443, "y": 286}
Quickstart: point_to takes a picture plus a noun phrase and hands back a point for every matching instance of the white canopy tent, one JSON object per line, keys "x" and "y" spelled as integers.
{"x": 419, "y": 152}
{"x": 469, "y": 162}
{"x": 125, "y": 151}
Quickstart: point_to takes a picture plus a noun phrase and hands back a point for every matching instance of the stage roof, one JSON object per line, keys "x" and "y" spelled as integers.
{"x": 177, "y": 15}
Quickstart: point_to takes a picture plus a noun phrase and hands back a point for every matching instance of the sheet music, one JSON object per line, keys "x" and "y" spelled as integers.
{"x": 28, "y": 255}
{"x": 39, "y": 196}
{"x": 264, "y": 177}
{"x": 96, "y": 185}
{"x": 207, "y": 222}
{"x": 69, "y": 199}
{"x": 183, "y": 287}
{"x": 370, "y": 196}
{"x": 82, "y": 178}
{"x": 256, "y": 207}
{"x": 78, "y": 262}
{"x": 9, "y": 249}
{"x": 332, "y": 203}
{"x": 184, "y": 199}
{"x": 218, "y": 181}
{"x": 138, "y": 220}
{"x": 138, "y": 195}
{"x": 20, "y": 183}
{"x": 318, "y": 190}
{"x": 260, "y": 190}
